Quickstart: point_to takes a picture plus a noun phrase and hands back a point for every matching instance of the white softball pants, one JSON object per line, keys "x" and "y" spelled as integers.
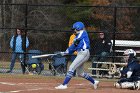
{"x": 78, "y": 63}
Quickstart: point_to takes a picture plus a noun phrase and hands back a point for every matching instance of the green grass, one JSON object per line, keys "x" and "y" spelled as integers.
{"x": 6, "y": 64}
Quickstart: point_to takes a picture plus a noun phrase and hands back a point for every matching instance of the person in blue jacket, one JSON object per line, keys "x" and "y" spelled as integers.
{"x": 130, "y": 74}
{"x": 17, "y": 43}
{"x": 81, "y": 44}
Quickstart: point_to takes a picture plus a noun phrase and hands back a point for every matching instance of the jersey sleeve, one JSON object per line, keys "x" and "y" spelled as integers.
{"x": 71, "y": 49}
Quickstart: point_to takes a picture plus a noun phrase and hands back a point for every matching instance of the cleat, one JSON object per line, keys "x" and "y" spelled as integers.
{"x": 95, "y": 85}
{"x": 137, "y": 87}
{"x": 61, "y": 87}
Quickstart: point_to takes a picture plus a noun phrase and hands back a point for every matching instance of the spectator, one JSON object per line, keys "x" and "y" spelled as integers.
{"x": 130, "y": 74}
{"x": 102, "y": 49}
{"x": 17, "y": 44}
{"x": 75, "y": 53}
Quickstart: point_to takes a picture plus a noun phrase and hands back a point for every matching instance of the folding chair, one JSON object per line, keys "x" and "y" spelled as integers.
{"x": 34, "y": 64}
{"x": 58, "y": 66}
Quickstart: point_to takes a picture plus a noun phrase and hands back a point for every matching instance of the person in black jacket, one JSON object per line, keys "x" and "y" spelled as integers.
{"x": 102, "y": 49}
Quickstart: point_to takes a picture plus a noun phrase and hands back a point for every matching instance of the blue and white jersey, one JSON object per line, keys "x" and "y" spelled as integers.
{"x": 18, "y": 46}
{"x": 83, "y": 42}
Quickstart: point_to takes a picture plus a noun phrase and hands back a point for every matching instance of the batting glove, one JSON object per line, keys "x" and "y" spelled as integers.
{"x": 63, "y": 53}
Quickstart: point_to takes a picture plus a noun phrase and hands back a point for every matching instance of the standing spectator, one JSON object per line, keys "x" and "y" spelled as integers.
{"x": 102, "y": 49}
{"x": 17, "y": 44}
{"x": 75, "y": 53}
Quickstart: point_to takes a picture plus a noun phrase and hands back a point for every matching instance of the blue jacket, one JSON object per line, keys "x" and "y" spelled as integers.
{"x": 83, "y": 42}
{"x": 18, "y": 43}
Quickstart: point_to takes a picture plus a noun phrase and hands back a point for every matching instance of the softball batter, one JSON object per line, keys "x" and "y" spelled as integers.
{"x": 81, "y": 44}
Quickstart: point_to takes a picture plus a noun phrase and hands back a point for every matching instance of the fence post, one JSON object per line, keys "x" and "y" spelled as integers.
{"x": 25, "y": 34}
{"x": 114, "y": 33}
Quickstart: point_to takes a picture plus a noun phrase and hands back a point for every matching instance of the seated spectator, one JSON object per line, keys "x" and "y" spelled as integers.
{"x": 130, "y": 74}
{"x": 102, "y": 49}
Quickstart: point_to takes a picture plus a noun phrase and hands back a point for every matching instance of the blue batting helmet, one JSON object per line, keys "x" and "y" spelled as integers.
{"x": 78, "y": 26}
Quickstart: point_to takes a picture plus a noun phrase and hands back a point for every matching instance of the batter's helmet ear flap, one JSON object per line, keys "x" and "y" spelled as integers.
{"x": 78, "y": 26}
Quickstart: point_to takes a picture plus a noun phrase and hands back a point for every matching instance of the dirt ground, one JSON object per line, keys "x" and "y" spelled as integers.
{"x": 44, "y": 84}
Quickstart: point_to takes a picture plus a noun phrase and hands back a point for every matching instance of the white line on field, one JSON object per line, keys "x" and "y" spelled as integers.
{"x": 80, "y": 84}
{"x": 33, "y": 83}
{"x": 16, "y": 91}
{"x": 7, "y": 83}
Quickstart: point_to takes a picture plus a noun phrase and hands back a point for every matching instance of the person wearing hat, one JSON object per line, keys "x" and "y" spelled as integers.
{"x": 130, "y": 74}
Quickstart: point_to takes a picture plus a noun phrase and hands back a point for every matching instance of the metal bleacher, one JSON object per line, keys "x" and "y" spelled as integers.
{"x": 120, "y": 45}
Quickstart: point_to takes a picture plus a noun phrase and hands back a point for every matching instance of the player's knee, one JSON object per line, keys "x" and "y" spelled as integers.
{"x": 137, "y": 85}
{"x": 125, "y": 85}
{"x": 71, "y": 69}
{"x": 117, "y": 85}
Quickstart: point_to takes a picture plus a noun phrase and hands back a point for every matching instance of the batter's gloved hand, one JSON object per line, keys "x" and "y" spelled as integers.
{"x": 63, "y": 53}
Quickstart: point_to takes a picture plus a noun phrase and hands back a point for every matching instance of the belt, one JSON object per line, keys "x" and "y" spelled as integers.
{"x": 82, "y": 49}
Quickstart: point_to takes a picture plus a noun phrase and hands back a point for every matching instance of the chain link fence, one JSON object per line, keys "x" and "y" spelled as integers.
{"x": 48, "y": 27}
